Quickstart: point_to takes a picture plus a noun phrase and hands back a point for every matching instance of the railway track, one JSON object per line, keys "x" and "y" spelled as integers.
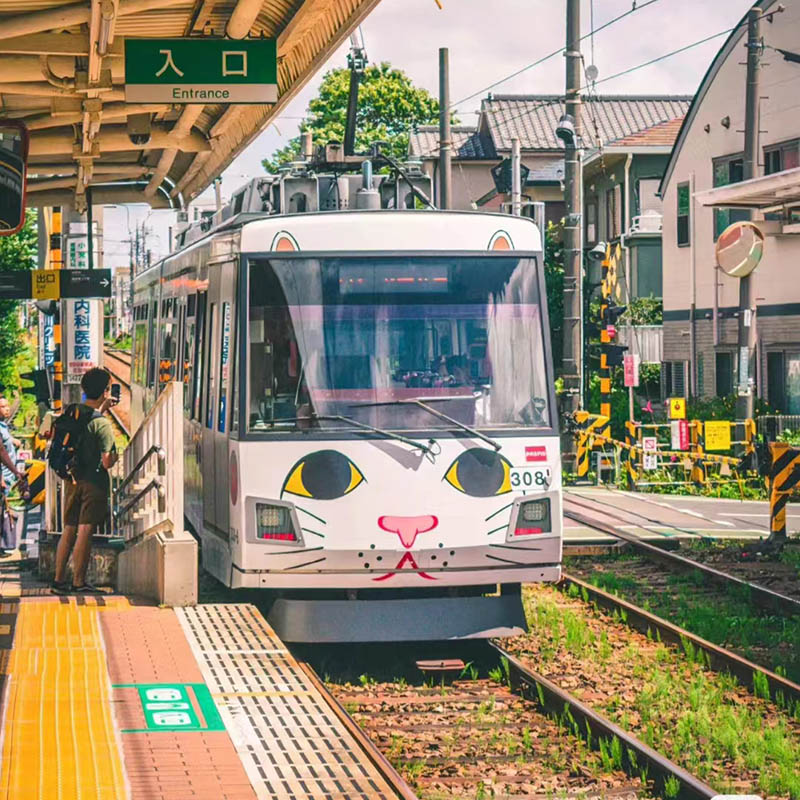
{"x": 118, "y": 364}
{"x": 512, "y": 734}
{"x": 607, "y": 521}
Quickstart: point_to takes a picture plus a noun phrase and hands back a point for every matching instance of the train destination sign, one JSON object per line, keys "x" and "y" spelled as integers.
{"x": 193, "y": 70}
{"x": 52, "y": 284}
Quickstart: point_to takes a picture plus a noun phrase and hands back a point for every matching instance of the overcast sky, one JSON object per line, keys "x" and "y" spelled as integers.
{"x": 488, "y": 40}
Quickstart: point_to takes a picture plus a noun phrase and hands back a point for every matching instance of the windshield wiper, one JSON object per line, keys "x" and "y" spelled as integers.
{"x": 431, "y": 410}
{"x": 426, "y": 448}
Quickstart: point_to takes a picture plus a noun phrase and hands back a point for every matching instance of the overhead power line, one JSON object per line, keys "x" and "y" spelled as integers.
{"x": 555, "y": 52}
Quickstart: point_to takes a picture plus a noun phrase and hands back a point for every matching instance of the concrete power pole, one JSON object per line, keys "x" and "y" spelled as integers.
{"x": 572, "y": 354}
{"x": 445, "y": 143}
{"x": 747, "y": 324}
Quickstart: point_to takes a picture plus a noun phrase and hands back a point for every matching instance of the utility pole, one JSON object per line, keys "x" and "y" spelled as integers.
{"x": 445, "y": 143}
{"x": 572, "y": 353}
{"x": 516, "y": 178}
{"x": 745, "y": 402}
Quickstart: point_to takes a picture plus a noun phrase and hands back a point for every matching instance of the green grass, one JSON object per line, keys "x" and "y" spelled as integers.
{"x": 727, "y": 619}
{"x": 675, "y": 704}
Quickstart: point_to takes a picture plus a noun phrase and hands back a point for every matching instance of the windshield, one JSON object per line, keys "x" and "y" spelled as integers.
{"x": 364, "y": 337}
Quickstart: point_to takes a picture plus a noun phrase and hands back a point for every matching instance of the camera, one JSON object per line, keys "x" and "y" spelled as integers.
{"x": 139, "y": 128}
{"x": 116, "y": 390}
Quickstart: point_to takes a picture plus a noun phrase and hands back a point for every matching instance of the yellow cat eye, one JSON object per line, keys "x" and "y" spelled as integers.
{"x": 323, "y": 475}
{"x": 480, "y": 473}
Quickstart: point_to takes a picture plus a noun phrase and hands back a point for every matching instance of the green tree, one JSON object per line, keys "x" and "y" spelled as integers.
{"x": 388, "y": 105}
{"x": 17, "y": 252}
{"x": 554, "y": 281}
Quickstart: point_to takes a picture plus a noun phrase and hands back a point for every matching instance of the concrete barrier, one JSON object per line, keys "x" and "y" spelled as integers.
{"x": 161, "y": 567}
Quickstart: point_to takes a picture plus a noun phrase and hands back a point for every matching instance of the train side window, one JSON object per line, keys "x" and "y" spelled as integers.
{"x": 198, "y": 360}
{"x": 166, "y": 370}
{"x": 140, "y": 351}
{"x": 188, "y": 348}
{"x": 224, "y": 365}
{"x": 210, "y": 391}
{"x": 151, "y": 345}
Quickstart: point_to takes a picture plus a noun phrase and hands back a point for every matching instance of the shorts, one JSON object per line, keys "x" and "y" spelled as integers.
{"x": 86, "y": 503}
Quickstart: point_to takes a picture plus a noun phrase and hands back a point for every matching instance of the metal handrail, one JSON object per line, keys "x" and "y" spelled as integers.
{"x": 162, "y": 498}
{"x": 162, "y": 465}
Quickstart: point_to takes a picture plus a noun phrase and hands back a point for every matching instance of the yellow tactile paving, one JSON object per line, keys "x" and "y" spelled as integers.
{"x": 59, "y": 740}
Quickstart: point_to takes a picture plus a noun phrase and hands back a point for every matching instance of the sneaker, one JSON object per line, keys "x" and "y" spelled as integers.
{"x": 86, "y": 588}
{"x": 59, "y": 587}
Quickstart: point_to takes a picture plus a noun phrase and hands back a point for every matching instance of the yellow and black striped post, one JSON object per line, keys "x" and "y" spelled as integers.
{"x": 57, "y": 262}
{"x": 699, "y": 475}
{"x": 784, "y": 478}
{"x": 631, "y": 467}
{"x": 588, "y": 426}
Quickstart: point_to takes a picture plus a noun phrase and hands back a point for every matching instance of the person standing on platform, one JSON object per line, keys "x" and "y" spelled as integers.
{"x": 8, "y": 475}
{"x": 86, "y": 497}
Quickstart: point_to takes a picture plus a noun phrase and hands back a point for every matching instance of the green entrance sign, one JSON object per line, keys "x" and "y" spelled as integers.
{"x": 200, "y": 70}
{"x": 169, "y": 707}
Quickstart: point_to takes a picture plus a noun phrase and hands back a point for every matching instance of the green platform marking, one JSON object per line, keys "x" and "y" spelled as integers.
{"x": 168, "y": 707}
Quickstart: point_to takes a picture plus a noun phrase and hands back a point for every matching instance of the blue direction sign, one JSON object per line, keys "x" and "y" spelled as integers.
{"x": 200, "y": 70}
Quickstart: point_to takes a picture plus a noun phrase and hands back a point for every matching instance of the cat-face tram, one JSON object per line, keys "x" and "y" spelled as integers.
{"x": 370, "y": 427}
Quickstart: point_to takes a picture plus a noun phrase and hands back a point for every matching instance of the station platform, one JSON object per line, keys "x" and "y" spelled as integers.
{"x": 103, "y": 697}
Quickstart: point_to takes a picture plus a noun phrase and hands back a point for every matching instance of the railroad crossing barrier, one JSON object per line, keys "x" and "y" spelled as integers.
{"x": 592, "y": 430}
{"x": 160, "y": 557}
{"x": 784, "y": 477}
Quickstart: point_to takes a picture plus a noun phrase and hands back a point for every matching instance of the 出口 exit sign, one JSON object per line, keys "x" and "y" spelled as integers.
{"x": 200, "y": 70}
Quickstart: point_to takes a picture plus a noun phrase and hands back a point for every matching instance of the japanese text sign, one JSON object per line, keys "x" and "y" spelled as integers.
{"x": 717, "y": 435}
{"x": 201, "y": 70}
{"x": 631, "y": 370}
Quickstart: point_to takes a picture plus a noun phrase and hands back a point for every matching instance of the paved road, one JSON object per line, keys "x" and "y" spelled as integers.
{"x": 674, "y": 515}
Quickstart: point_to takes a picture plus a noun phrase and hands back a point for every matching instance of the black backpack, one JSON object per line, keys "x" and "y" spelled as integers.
{"x": 68, "y": 432}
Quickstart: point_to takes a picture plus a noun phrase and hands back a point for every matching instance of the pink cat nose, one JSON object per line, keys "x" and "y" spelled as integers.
{"x": 407, "y": 528}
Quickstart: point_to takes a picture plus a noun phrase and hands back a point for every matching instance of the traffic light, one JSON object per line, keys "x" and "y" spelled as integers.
{"x": 613, "y": 354}
{"x": 41, "y": 385}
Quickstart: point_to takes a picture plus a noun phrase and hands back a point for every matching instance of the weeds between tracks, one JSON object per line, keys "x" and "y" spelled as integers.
{"x": 704, "y": 721}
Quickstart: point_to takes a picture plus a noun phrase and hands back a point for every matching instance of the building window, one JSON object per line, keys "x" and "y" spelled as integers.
{"x": 776, "y": 382}
{"x": 647, "y": 195}
{"x": 782, "y": 156}
{"x": 611, "y": 214}
{"x": 727, "y": 170}
{"x": 783, "y": 381}
{"x": 724, "y": 374}
{"x": 591, "y": 221}
{"x": 683, "y": 214}
{"x": 674, "y": 378}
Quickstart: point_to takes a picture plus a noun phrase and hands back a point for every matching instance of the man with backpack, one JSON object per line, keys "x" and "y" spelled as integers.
{"x": 82, "y": 452}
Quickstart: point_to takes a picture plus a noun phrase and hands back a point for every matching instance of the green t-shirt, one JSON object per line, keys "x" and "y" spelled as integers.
{"x": 98, "y": 439}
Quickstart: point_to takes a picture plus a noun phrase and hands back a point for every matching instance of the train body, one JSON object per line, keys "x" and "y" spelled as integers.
{"x": 370, "y": 428}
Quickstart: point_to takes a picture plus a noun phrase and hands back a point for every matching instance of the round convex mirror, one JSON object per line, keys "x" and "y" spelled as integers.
{"x": 13, "y": 157}
{"x": 739, "y": 249}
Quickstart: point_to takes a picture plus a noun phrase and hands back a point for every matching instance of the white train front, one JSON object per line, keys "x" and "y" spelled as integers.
{"x": 370, "y": 429}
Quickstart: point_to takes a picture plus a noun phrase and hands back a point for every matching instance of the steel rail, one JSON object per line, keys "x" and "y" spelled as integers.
{"x": 766, "y": 598}
{"x": 376, "y": 758}
{"x": 120, "y": 424}
{"x": 635, "y": 753}
{"x": 718, "y": 658}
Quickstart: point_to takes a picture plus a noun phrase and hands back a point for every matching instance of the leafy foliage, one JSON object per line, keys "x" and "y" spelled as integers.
{"x": 17, "y": 252}
{"x": 388, "y": 105}
{"x": 644, "y": 311}
{"x": 554, "y": 281}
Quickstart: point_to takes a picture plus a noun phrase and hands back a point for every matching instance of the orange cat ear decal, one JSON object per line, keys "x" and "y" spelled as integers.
{"x": 500, "y": 241}
{"x": 284, "y": 242}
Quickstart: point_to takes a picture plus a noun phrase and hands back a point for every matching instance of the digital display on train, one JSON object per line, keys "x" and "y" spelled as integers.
{"x": 394, "y": 278}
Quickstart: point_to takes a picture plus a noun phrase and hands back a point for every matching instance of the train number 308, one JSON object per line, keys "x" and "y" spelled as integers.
{"x": 530, "y": 477}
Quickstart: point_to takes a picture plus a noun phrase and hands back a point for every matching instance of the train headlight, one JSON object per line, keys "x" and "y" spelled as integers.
{"x": 274, "y": 523}
{"x": 533, "y": 516}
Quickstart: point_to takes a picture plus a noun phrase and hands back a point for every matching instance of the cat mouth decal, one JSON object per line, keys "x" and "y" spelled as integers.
{"x": 407, "y": 528}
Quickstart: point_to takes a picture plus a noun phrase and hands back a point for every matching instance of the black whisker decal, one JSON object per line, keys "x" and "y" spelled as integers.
{"x": 308, "y": 530}
{"x": 506, "y": 561}
{"x": 508, "y": 505}
{"x": 318, "y": 519}
{"x": 516, "y": 547}
{"x": 294, "y": 552}
{"x": 496, "y": 530}
{"x": 306, "y": 564}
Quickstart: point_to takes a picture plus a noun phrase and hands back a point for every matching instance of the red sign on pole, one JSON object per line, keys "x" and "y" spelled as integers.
{"x": 630, "y": 365}
{"x": 679, "y": 434}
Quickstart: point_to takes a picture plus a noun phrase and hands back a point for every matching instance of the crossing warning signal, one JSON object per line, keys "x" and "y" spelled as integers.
{"x": 613, "y": 354}
{"x": 41, "y": 385}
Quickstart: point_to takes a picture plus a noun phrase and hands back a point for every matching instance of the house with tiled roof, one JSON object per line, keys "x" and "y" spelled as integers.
{"x": 627, "y": 141}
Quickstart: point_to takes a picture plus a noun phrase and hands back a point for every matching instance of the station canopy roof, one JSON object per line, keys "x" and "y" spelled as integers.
{"x": 779, "y": 190}
{"x": 62, "y": 73}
